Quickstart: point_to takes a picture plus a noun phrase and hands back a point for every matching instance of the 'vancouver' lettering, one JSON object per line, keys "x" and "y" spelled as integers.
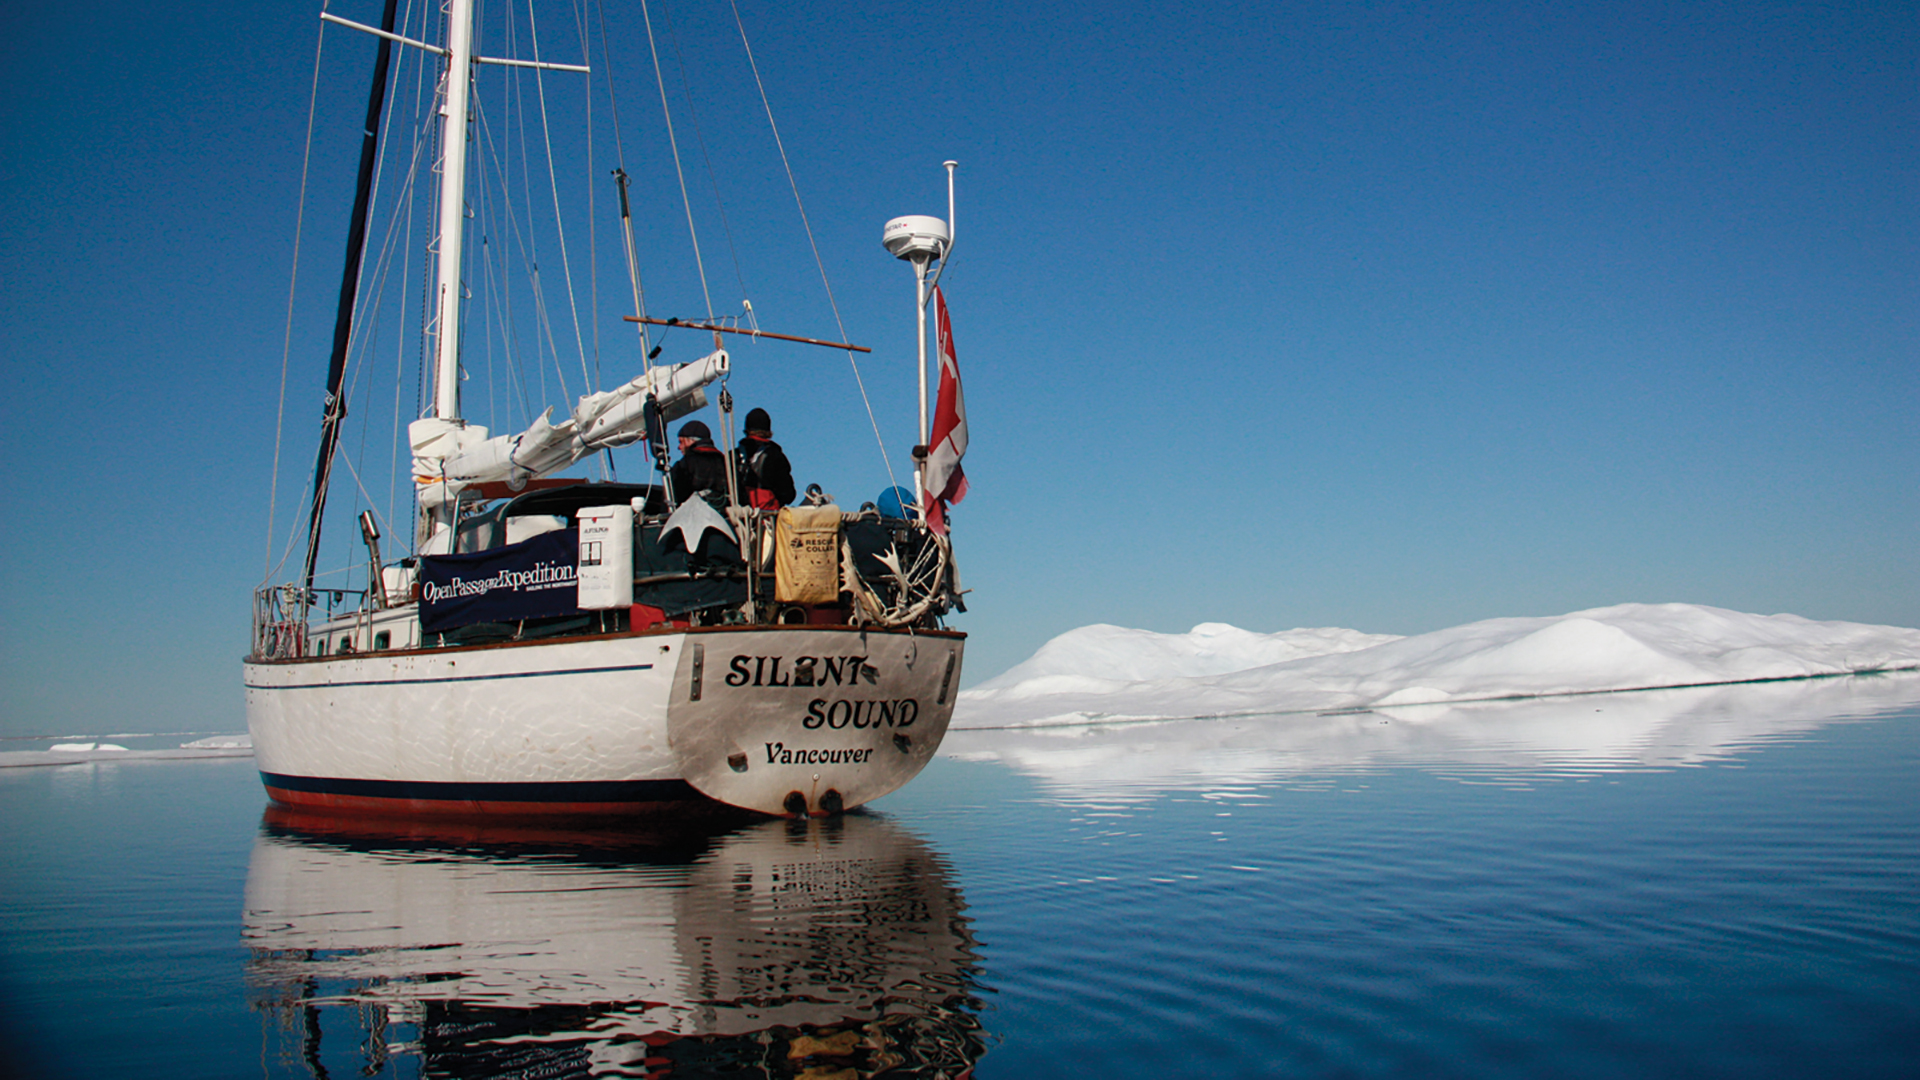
{"x": 779, "y": 754}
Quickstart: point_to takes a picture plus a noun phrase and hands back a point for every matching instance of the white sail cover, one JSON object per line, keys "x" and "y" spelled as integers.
{"x": 445, "y": 451}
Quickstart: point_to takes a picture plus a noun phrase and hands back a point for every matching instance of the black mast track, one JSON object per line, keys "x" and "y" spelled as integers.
{"x": 336, "y": 404}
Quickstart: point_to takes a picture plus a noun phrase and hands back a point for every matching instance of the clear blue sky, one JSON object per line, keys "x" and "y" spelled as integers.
{"x": 1384, "y": 316}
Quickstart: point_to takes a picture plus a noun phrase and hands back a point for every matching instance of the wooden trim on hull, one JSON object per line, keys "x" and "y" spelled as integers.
{"x": 407, "y": 798}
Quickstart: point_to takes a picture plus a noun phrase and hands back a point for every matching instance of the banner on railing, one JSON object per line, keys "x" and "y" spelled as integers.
{"x": 533, "y": 579}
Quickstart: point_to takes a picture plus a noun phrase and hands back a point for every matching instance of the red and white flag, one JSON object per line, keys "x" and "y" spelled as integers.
{"x": 943, "y": 482}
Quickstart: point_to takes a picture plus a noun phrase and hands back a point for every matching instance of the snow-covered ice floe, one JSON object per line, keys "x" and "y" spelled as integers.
{"x": 77, "y": 753}
{"x": 1512, "y": 741}
{"x": 1106, "y": 674}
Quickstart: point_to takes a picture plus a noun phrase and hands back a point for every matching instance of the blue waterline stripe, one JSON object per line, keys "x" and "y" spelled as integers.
{"x": 573, "y": 791}
{"x": 452, "y": 678}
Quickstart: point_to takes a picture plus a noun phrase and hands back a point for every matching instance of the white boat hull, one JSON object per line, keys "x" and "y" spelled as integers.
{"x": 608, "y": 725}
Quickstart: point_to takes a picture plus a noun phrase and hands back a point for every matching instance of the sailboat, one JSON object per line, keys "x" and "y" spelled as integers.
{"x": 556, "y": 647}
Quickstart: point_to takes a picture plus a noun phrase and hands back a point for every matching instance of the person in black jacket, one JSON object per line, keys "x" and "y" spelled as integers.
{"x": 766, "y": 477}
{"x": 702, "y": 467}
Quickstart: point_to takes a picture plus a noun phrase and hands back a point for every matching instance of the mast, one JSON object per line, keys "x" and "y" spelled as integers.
{"x": 336, "y": 403}
{"x": 441, "y": 434}
{"x": 453, "y": 208}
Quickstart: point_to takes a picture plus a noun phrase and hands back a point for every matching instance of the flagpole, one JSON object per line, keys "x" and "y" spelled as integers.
{"x": 921, "y": 240}
{"x": 921, "y": 447}
{"x": 920, "y": 470}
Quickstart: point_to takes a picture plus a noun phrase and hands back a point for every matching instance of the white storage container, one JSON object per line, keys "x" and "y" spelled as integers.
{"x": 605, "y": 577}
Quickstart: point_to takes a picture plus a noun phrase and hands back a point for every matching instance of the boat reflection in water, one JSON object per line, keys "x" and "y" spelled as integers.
{"x": 817, "y": 948}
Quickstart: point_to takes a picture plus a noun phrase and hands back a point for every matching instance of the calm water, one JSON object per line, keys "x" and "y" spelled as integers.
{"x": 1686, "y": 884}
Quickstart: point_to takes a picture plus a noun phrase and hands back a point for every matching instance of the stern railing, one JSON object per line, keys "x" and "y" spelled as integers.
{"x": 279, "y": 622}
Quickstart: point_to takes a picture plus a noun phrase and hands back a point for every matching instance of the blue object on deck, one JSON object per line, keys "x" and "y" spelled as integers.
{"x": 897, "y": 502}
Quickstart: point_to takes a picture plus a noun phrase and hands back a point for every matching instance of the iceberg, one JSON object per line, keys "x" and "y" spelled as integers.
{"x": 1511, "y": 742}
{"x": 94, "y": 751}
{"x": 1105, "y": 674}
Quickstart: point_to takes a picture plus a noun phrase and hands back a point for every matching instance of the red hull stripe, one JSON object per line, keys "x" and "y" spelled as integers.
{"x": 602, "y": 797}
{"x": 448, "y": 809}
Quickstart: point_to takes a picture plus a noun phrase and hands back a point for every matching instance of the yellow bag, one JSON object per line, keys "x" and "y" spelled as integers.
{"x": 806, "y": 555}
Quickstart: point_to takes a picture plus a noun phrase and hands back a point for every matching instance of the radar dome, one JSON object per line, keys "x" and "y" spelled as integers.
{"x": 915, "y": 237}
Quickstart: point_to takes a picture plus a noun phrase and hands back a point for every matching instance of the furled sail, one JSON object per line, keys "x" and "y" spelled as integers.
{"x": 461, "y": 455}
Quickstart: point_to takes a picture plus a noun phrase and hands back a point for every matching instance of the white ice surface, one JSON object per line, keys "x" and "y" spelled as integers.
{"x": 1102, "y": 674}
{"x": 80, "y": 753}
{"x": 1513, "y": 742}
{"x": 220, "y": 742}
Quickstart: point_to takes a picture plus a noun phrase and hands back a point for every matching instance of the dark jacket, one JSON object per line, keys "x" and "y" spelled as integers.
{"x": 702, "y": 468}
{"x": 766, "y": 478}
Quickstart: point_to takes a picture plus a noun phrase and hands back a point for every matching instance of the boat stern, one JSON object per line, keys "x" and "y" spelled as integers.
{"x": 810, "y": 719}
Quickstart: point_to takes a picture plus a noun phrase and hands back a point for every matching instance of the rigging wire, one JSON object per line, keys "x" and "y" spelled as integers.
{"x": 553, "y": 185}
{"x": 608, "y": 471}
{"x": 527, "y": 241}
{"x": 885, "y": 459}
{"x": 593, "y": 234}
{"x": 497, "y": 303}
{"x": 498, "y": 290}
{"x": 404, "y": 227}
{"x": 493, "y": 310}
{"x": 486, "y": 289}
{"x": 369, "y": 316}
{"x": 422, "y": 369}
{"x": 653, "y": 49}
{"x": 693, "y": 117}
{"x": 633, "y": 263}
{"x": 620, "y": 169}
{"x": 293, "y": 278}
{"x": 365, "y": 430}
{"x": 293, "y": 535}
{"x": 655, "y": 462}
{"x": 362, "y": 487}
{"x": 370, "y": 304}
{"x": 633, "y": 269}
{"x": 350, "y": 299}
{"x": 363, "y": 331}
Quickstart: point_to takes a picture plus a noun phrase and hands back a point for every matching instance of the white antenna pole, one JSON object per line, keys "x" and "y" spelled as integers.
{"x": 921, "y": 241}
{"x": 453, "y": 208}
{"x": 949, "y": 166}
{"x": 920, "y": 310}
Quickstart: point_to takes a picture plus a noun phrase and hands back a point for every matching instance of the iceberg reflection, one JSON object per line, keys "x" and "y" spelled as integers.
{"x": 1505, "y": 741}
{"x": 835, "y": 947}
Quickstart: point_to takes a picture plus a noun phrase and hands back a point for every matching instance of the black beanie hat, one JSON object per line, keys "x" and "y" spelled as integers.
{"x": 758, "y": 420}
{"x": 694, "y": 429}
